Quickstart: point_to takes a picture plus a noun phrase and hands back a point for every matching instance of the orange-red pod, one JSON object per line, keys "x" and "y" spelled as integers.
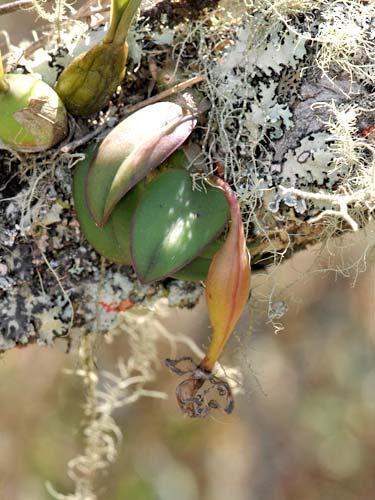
{"x": 228, "y": 281}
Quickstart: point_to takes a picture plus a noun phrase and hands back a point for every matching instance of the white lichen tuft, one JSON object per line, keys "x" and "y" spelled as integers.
{"x": 346, "y": 39}
{"x": 353, "y": 164}
{"x": 55, "y": 14}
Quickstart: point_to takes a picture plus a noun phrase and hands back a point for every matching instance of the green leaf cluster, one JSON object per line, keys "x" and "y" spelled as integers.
{"x": 163, "y": 227}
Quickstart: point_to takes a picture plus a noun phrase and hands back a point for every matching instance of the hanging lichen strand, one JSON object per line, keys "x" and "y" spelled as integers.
{"x": 33, "y": 117}
{"x": 227, "y": 292}
{"x": 87, "y": 84}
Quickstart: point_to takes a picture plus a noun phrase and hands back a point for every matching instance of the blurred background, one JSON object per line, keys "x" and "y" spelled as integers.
{"x": 303, "y": 428}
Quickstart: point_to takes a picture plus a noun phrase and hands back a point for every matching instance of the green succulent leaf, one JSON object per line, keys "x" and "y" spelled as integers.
{"x": 122, "y": 215}
{"x": 173, "y": 224}
{"x": 131, "y": 150}
{"x": 111, "y": 241}
{"x": 176, "y": 161}
{"x": 210, "y": 251}
{"x": 197, "y": 269}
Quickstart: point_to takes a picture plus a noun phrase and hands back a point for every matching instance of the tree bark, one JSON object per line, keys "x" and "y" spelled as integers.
{"x": 279, "y": 124}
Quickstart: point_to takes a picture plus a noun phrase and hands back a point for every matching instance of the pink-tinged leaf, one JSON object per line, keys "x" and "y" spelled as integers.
{"x": 136, "y": 146}
{"x": 228, "y": 281}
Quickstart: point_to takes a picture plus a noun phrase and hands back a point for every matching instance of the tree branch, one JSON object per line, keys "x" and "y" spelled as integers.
{"x": 292, "y": 163}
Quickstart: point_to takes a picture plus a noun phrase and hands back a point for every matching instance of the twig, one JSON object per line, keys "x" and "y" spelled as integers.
{"x": 179, "y": 87}
{"x": 10, "y": 7}
{"x": 333, "y": 198}
{"x": 343, "y": 213}
{"x": 83, "y": 140}
{"x": 42, "y": 42}
{"x": 91, "y": 8}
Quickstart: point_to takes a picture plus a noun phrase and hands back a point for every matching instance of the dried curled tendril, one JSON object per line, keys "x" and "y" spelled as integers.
{"x": 202, "y": 391}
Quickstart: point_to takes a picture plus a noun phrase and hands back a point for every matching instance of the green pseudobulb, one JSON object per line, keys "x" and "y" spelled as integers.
{"x": 87, "y": 84}
{"x": 32, "y": 116}
{"x": 89, "y": 81}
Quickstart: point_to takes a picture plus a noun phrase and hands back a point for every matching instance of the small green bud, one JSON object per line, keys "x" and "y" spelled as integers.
{"x": 33, "y": 117}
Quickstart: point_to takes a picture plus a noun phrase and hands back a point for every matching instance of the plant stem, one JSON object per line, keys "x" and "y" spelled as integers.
{"x": 4, "y": 86}
{"x": 122, "y": 13}
{"x": 10, "y": 7}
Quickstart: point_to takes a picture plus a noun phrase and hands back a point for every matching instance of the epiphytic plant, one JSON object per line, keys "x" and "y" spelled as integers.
{"x": 163, "y": 227}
